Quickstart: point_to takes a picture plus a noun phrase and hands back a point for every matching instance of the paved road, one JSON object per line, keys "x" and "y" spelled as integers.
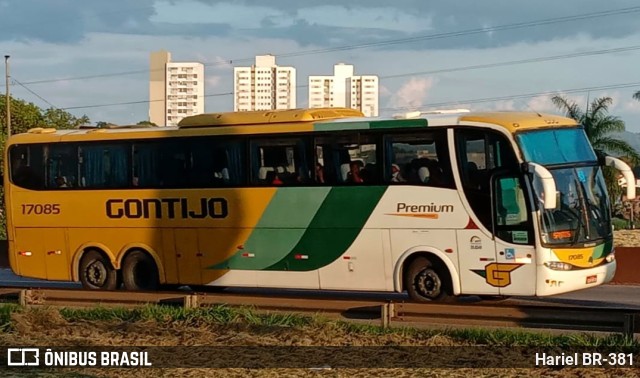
{"x": 601, "y": 296}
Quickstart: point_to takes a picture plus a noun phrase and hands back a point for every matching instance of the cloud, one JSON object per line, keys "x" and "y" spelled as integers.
{"x": 412, "y": 94}
{"x": 211, "y": 82}
{"x": 415, "y": 18}
{"x": 68, "y": 21}
{"x": 331, "y": 23}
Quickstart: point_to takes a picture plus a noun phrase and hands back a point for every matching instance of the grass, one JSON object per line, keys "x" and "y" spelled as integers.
{"x": 5, "y": 316}
{"x": 220, "y": 314}
{"x": 225, "y": 315}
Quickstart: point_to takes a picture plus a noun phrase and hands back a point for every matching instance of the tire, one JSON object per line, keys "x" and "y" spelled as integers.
{"x": 426, "y": 282}
{"x": 96, "y": 272}
{"x": 140, "y": 272}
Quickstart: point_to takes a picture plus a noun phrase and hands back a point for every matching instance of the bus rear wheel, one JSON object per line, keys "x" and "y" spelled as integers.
{"x": 140, "y": 272}
{"x": 96, "y": 272}
{"x": 427, "y": 282}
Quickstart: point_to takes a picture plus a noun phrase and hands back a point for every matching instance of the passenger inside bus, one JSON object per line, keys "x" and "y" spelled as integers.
{"x": 61, "y": 182}
{"x": 319, "y": 173}
{"x": 396, "y": 175}
{"x": 354, "y": 175}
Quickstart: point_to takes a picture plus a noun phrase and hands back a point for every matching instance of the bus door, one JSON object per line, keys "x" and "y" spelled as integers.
{"x": 493, "y": 251}
{"x": 188, "y": 256}
{"x": 514, "y": 272}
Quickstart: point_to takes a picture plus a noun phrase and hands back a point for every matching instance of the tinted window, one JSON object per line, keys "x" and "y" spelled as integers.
{"x": 27, "y": 166}
{"x": 347, "y": 159}
{"x": 279, "y": 161}
{"x": 62, "y": 166}
{"x": 105, "y": 166}
{"x": 480, "y": 153}
{"x": 188, "y": 162}
{"x": 419, "y": 159}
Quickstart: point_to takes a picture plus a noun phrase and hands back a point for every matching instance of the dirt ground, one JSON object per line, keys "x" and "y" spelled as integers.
{"x": 48, "y": 328}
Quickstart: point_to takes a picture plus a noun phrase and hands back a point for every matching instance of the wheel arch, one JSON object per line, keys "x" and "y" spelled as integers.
{"x": 429, "y": 252}
{"x": 131, "y": 247}
{"x": 82, "y": 250}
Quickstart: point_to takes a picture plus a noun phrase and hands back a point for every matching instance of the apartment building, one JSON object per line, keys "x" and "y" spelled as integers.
{"x": 344, "y": 89}
{"x": 264, "y": 86}
{"x": 176, "y": 89}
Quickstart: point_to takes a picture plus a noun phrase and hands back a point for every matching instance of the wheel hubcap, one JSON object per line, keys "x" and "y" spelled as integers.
{"x": 428, "y": 284}
{"x": 96, "y": 274}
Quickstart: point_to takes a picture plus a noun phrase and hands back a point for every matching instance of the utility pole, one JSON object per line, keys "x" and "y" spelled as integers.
{"x": 7, "y": 98}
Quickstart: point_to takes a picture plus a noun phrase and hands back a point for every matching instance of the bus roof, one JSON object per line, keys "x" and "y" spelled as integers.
{"x": 266, "y": 117}
{"x": 297, "y": 120}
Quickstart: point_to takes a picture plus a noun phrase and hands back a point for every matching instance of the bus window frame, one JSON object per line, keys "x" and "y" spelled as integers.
{"x": 528, "y": 224}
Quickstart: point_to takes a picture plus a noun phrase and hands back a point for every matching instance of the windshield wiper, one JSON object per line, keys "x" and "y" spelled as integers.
{"x": 584, "y": 216}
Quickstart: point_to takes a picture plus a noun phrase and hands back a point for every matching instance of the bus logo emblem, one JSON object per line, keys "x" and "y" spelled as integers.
{"x": 497, "y": 274}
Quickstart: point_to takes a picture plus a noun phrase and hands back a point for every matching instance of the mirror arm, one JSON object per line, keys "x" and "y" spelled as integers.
{"x": 630, "y": 181}
{"x": 548, "y": 184}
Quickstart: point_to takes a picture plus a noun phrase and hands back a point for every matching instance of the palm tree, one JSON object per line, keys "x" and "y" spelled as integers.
{"x": 598, "y": 125}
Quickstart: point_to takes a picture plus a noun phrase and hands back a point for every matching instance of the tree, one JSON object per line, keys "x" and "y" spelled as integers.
{"x": 24, "y": 115}
{"x": 146, "y": 123}
{"x": 598, "y": 125}
{"x": 60, "y": 119}
{"x": 637, "y": 95}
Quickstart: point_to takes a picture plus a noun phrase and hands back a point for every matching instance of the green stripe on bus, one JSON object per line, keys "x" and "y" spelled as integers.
{"x": 370, "y": 124}
{"x": 398, "y": 123}
{"x": 335, "y": 126}
{"x": 280, "y": 228}
{"x": 602, "y": 250}
{"x": 334, "y": 228}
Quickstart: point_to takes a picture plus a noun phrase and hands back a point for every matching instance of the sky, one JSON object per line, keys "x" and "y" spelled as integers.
{"x": 90, "y": 56}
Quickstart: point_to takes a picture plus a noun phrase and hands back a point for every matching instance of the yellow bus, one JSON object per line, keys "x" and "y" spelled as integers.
{"x": 437, "y": 204}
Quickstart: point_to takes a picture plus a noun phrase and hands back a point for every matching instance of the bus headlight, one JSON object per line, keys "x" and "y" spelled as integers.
{"x": 611, "y": 257}
{"x": 558, "y": 265}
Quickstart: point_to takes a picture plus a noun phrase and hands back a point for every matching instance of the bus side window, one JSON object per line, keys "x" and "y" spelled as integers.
{"x": 104, "y": 166}
{"x": 146, "y": 164}
{"x": 279, "y": 162}
{"x": 62, "y": 167}
{"x": 348, "y": 159}
{"x": 27, "y": 166}
{"x": 419, "y": 159}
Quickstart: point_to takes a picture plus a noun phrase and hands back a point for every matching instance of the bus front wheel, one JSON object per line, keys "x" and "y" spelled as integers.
{"x": 140, "y": 272}
{"x": 96, "y": 272}
{"x": 427, "y": 282}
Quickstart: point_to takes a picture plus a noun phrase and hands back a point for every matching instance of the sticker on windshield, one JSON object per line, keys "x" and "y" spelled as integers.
{"x": 520, "y": 237}
{"x": 581, "y": 176}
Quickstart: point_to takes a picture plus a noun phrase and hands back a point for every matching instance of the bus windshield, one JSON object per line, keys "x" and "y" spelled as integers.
{"x": 582, "y": 214}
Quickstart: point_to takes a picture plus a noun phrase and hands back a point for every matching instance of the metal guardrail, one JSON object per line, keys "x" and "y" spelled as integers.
{"x": 385, "y": 313}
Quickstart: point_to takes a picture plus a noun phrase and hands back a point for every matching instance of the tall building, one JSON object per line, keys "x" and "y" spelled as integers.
{"x": 343, "y": 89}
{"x": 176, "y": 89}
{"x": 264, "y": 86}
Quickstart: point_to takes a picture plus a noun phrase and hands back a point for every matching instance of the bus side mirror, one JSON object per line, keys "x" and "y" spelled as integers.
{"x": 630, "y": 180}
{"x": 549, "y": 196}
